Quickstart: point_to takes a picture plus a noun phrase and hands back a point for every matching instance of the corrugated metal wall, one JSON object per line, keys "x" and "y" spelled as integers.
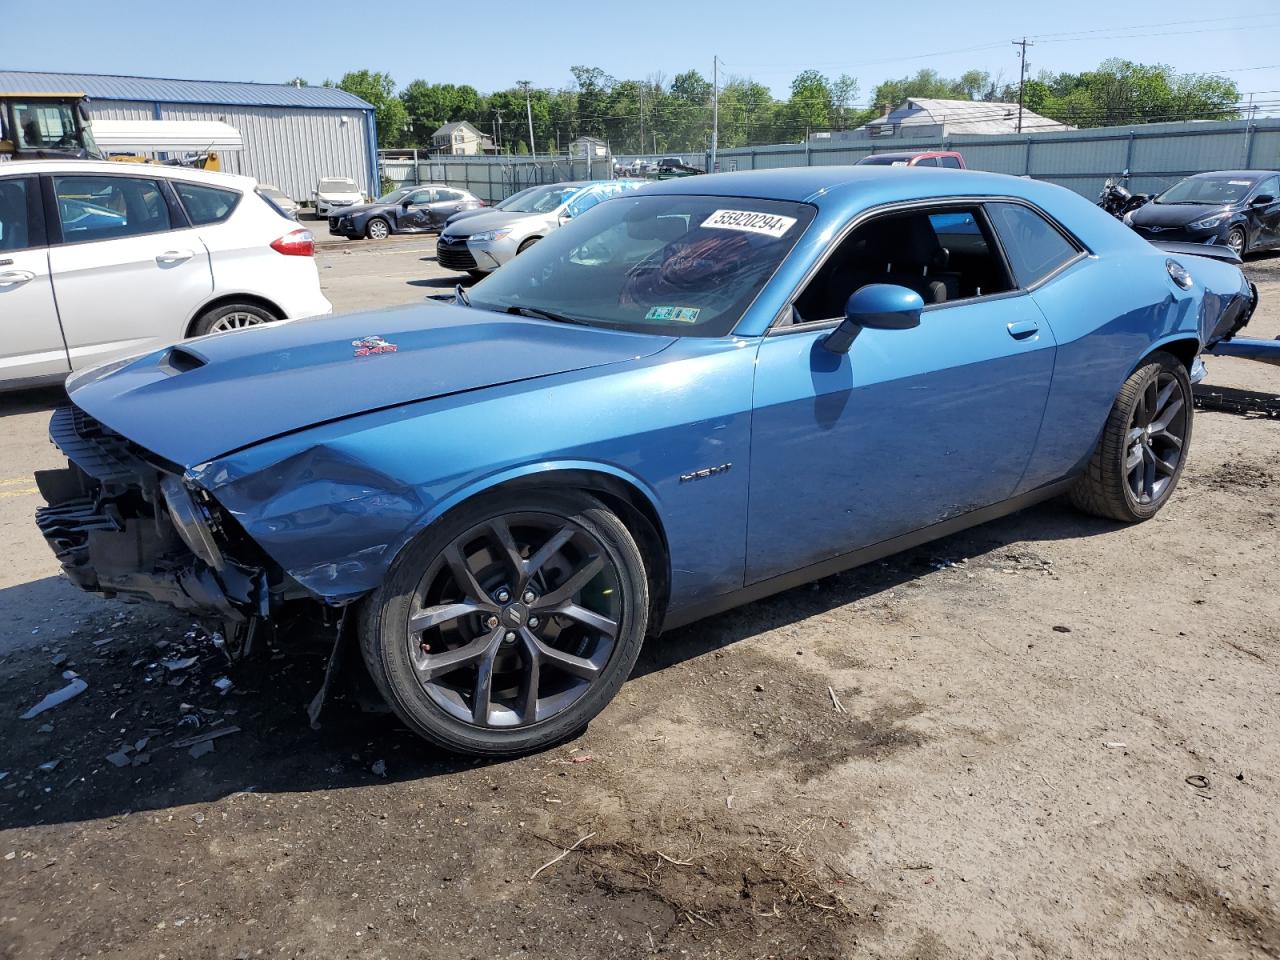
{"x": 289, "y": 147}
{"x": 1157, "y": 155}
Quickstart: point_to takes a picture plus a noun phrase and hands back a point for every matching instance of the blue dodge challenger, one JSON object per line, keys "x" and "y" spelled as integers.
{"x": 690, "y": 397}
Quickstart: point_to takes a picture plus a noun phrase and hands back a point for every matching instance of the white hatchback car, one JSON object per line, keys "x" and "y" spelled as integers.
{"x": 334, "y": 193}
{"x": 100, "y": 260}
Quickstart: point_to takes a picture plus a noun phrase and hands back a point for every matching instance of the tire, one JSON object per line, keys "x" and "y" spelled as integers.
{"x": 377, "y": 229}
{"x": 438, "y": 693}
{"x": 526, "y": 245}
{"x": 1238, "y": 240}
{"x": 231, "y": 316}
{"x": 1115, "y": 485}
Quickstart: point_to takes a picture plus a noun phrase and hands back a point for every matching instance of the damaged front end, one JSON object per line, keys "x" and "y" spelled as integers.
{"x": 127, "y": 524}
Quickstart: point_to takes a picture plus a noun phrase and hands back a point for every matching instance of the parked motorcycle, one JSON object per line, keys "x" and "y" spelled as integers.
{"x": 1117, "y": 199}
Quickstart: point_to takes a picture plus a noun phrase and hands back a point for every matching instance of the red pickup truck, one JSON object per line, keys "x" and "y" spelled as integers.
{"x": 924, "y": 158}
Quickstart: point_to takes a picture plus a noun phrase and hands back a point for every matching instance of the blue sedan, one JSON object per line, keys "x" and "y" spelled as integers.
{"x": 691, "y": 397}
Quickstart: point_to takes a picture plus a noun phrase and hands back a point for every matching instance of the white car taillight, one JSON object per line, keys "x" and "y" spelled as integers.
{"x": 299, "y": 243}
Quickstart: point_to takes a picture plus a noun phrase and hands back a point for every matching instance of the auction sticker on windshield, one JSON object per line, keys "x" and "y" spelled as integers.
{"x": 677, "y": 314}
{"x": 750, "y": 221}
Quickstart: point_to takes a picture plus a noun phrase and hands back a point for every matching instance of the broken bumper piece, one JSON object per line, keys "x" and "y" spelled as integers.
{"x": 125, "y": 525}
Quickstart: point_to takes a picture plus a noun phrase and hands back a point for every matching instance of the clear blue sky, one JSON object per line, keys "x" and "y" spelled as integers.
{"x": 539, "y": 40}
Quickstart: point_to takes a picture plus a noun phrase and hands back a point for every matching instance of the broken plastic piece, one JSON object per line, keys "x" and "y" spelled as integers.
{"x": 198, "y": 750}
{"x": 58, "y": 697}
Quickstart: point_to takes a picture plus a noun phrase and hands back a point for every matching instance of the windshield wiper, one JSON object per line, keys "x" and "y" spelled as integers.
{"x": 540, "y": 314}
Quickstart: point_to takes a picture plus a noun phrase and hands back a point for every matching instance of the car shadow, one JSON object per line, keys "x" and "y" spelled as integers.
{"x": 31, "y": 401}
{"x": 134, "y": 701}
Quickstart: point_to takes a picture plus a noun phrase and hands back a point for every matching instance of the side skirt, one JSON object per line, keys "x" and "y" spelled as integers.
{"x": 868, "y": 554}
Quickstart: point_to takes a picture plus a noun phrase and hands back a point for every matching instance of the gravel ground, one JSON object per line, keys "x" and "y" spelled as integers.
{"x": 1050, "y": 736}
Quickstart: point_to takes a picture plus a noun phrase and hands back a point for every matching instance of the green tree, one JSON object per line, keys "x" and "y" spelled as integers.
{"x": 811, "y": 104}
{"x": 926, "y": 83}
{"x": 379, "y": 90}
{"x": 1120, "y": 92}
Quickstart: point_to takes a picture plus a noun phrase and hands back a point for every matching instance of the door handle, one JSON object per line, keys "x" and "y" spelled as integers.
{"x": 1023, "y": 329}
{"x": 15, "y": 278}
{"x": 173, "y": 256}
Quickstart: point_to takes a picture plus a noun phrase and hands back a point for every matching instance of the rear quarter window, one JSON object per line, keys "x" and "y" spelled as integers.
{"x": 1034, "y": 246}
{"x": 205, "y": 204}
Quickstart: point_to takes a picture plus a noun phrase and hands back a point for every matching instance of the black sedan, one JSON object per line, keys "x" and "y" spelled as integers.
{"x": 420, "y": 209}
{"x": 1239, "y": 209}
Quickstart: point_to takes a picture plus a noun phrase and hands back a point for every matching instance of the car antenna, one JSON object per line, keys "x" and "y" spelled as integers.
{"x": 460, "y": 294}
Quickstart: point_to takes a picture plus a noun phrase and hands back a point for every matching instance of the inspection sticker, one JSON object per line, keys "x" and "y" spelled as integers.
{"x": 676, "y": 314}
{"x": 750, "y": 221}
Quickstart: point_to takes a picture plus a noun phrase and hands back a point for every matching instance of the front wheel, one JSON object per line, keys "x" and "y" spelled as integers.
{"x": 1237, "y": 241}
{"x": 1143, "y": 447}
{"x": 510, "y": 623}
{"x": 377, "y": 229}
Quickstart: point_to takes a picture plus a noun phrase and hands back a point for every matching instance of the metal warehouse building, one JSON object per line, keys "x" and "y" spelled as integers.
{"x": 293, "y": 136}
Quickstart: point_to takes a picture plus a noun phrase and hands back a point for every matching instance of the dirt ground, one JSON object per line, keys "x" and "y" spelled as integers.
{"x": 1050, "y": 736}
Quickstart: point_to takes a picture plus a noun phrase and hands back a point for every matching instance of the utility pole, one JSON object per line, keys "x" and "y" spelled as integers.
{"x": 498, "y": 128}
{"x": 1022, "y": 72}
{"x": 642, "y": 118}
{"x": 528, "y": 106}
{"x": 715, "y": 110}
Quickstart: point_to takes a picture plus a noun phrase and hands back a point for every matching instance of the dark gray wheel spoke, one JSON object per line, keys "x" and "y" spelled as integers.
{"x": 554, "y": 544}
{"x": 1134, "y": 460}
{"x": 482, "y": 697}
{"x": 1162, "y": 466}
{"x": 442, "y": 614}
{"x": 1167, "y": 413}
{"x": 439, "y": 664}
{"x": 588, "y": 618}
{"x": 569, "y": 589}
{"x": 577, "y": 666}
{"x": 500, "y": 533}
{"x": 1173, "y": 438}
{"x": 465, "y": 577}
{"x": 532, "y": 678}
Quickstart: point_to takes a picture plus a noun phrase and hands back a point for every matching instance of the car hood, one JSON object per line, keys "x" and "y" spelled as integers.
{"x": 1173, "y": 214}
{"x": 206, "y": 397}
{"x": 494, "y": 220}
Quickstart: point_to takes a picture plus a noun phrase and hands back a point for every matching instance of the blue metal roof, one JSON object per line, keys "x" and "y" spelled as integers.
{"x": 159, "y": 90}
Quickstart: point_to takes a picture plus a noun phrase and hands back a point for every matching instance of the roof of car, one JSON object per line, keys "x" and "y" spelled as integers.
{"x": 917, "y": 153}
{"x": 85, "y": 167}
{"x": 1238, "y": 174}
{"x": 822, "y": 185}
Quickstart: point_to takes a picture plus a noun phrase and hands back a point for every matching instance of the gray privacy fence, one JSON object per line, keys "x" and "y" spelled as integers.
{"x": 492, "y": 178}
{"x": 1156, "y": 155}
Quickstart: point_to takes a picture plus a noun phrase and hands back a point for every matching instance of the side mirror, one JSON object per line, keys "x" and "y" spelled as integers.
{"x": 1124, "y": 172}
{"x": 877, "y": 306}
{"x": 1262, "y": 200}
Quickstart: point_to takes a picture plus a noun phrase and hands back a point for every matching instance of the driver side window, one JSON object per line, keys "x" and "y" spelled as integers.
{"x": 420, "y": 197}
{"x": 944, "y": 255}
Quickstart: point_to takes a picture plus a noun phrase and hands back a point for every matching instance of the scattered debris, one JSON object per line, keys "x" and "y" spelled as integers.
{"x": 76, "y": 687}
{"x": 1114, "y": 745}
{"x": 45, "y": 728}
{"x": 198, "y": 750}
{"x": 119, "y": 758}
{"x": 211, "y": 734}
{"x": 835, "y": 701}
{"x": 379, "y": 768}
{"x": 59, "y": 660}
{"x": 223, "y": 685}
{"x": 175, "y": 664}
{"x": 103, "y": 642}
{"x": 1199, "y": 781}
{"x": 1059, "y": 628}
{"x": 584, "y": 758}
{"x": 563, "y": 854}
{"x": 50, "y": 765}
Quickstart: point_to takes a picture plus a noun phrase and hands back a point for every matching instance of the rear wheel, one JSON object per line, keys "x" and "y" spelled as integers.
{"x": 509, "y": 624}
{"x": 1143, "y": 447}
{"x": 231, "y": 316}
{"x": 377, "y": 229}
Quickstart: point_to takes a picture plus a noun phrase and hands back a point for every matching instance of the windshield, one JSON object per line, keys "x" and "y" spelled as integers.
{"x": 675, "y": 265}
{"x": 885, "y": 160}
{"x": 515, "y": 201}
{"x": 1217, "y": 191}
{"x": 541, "y": 199}
{"x": 395, "y": 196}
{"x": 338, "y": 186}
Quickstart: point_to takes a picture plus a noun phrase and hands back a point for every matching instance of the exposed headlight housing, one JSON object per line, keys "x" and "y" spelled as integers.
{"x": 490, "y": 235}
{"x": 1211, "y": 221}
{"x": 190, "y": 521}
